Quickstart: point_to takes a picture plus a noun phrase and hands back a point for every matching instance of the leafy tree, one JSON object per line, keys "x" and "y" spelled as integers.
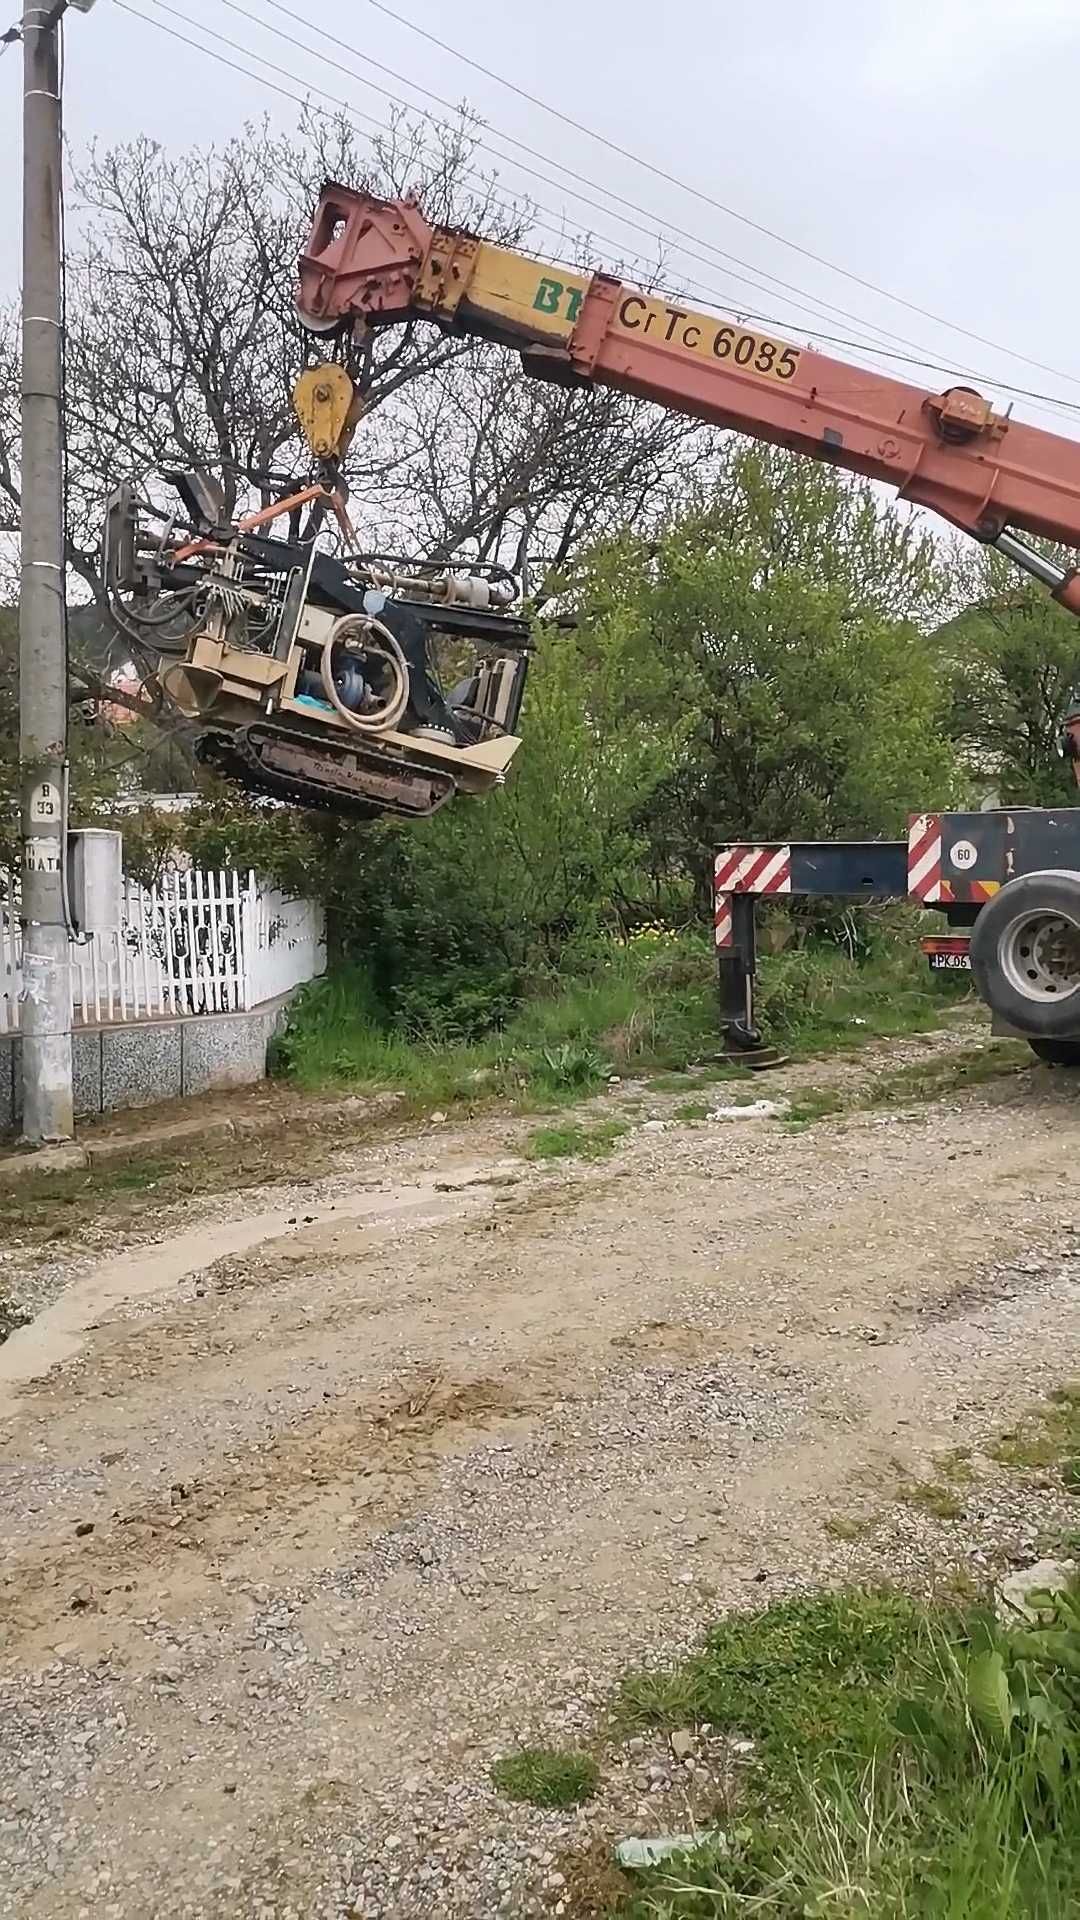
{"x": 801, "y": 515}
{"x": 785, "y": 619}
{"x": 1012, "y": 659}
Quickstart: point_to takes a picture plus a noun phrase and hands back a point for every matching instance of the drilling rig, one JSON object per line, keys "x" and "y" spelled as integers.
{"x": 312, "y": 676}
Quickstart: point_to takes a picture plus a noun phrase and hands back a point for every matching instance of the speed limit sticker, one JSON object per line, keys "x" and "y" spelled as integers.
{"x": 963, "y": 854}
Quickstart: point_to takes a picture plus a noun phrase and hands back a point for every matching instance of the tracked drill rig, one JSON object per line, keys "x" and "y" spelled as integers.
{"x": 311, "y": 676}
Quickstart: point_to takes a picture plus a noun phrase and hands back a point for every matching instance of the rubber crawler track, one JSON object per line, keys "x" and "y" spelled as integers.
{"x": 234, "y": 755}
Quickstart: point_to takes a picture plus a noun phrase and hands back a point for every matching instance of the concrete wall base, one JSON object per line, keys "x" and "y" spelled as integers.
{"x": 137, "y": 1064}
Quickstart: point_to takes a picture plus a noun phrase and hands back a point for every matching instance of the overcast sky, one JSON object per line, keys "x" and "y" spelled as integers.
{"x": 927, "y": 146}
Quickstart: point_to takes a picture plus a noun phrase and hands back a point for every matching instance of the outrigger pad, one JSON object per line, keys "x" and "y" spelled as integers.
{"x": 758, "y": 1059}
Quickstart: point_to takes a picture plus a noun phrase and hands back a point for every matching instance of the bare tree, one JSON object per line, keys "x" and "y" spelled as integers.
{"x": 183, "y": 346}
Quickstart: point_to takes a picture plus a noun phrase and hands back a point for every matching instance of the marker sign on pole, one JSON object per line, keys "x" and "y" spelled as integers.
{"x": 44, "y": 804}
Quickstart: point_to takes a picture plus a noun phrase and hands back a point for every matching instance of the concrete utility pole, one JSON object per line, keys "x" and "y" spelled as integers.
{"x": 43, "y": 693}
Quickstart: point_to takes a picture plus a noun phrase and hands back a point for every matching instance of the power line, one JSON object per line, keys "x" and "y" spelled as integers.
{"x": 1054, "y": 403}
{"x": 811, "y": 303}
{"x": 185, "y": 40}
{"x": 920, "y": 357}
{"x": 710, "y": 295}
{"x": 352, "y": 113}
{"x": 626, "y": 153}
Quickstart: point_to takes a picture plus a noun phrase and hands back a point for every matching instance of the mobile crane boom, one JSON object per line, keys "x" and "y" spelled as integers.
{"x": 372, "y": 262}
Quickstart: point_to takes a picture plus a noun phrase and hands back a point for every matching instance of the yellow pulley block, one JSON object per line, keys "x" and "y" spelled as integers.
{"x": 327, "y": 407}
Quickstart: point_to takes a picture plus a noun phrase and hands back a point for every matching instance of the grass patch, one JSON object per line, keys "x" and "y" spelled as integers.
{"x": 575, "y": 1142}
{"x": 67, "y": 1189}
{"x": 938, "y": 1496}
{"x": 815, "y": 1103}
{"x": 1048, "y": 1440}
{"x": 634, "y": 1009}
{"x": 136, "y": 1176}
{"x": 920, "y": 1081}
{"x": 55, "y": 1206}
{"x": 930, "y": 1496}
{"x": 802, "y": 1678}
{"x": 910, "y": 1763}
{"x": 337, "y": 1036}
{"x": 693, "y": 1110}
{"x": 967, "y": 1067}
{"x": 954, "y": 1465}
{"x": 847, "y": 1526}
{"x": 51, "y": 1207}
{"x": 547, "y": 1776}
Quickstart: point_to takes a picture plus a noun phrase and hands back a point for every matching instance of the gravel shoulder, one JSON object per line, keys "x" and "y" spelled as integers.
{"x": 315, "y": 1498}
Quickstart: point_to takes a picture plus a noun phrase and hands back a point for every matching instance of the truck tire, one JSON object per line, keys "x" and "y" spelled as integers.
{"x": 1057, "y": 1053}
{"x": 1025, "y": 955}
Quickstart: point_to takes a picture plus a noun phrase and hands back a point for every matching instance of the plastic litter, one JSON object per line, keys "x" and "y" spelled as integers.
{"x": 753, "y": 1110}
{"x": 637, "y": 1852}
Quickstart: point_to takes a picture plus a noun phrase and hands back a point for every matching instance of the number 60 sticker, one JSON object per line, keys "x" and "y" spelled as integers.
{"x": 963, "y": 854}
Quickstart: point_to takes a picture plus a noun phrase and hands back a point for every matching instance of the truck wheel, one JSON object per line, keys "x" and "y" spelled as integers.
{"x": 1025, "y": 954}
{"x": 1057, "y": 1053}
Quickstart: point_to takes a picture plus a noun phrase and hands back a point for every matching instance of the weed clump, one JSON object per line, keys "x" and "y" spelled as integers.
{"x": 547, "y": 1776}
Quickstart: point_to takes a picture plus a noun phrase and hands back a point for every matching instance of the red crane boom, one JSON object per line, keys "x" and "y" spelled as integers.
{"x": 376, "y": 262}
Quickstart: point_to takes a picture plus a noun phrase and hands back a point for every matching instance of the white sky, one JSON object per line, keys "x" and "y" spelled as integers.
{"x": 925, "y": 145}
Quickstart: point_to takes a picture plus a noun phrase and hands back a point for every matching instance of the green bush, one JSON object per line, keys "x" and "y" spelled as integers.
{"x": 461, "y": 1004}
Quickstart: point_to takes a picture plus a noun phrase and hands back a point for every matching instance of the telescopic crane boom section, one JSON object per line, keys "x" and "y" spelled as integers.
{"x": 372, "y": 262}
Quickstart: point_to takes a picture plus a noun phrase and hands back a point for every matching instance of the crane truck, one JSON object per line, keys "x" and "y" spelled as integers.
{"x": 313, "y": 678}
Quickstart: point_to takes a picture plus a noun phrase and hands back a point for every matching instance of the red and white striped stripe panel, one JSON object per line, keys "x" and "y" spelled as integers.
{"x": 924, "y": 857}
{"x": 753, "y": 870}
{"x": 722, "y": 921}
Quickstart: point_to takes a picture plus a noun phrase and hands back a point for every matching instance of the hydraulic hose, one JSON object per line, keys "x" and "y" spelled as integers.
{"x": 362, "y": 630}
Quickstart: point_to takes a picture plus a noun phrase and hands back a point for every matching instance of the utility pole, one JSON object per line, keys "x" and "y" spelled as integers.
{"x": 43, "y": 693}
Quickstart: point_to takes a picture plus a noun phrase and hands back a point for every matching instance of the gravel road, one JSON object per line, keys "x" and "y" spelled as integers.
{"x": 315, "y": 1499}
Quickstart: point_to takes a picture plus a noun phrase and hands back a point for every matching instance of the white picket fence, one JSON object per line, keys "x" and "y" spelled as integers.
{"x": 197, "y": 943}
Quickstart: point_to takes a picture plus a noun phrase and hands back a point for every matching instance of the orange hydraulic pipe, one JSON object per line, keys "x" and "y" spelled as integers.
{"x": 274, "y": 512}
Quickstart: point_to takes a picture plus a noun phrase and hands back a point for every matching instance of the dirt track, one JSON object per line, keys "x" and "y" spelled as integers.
{"x": 321, "y": 1506}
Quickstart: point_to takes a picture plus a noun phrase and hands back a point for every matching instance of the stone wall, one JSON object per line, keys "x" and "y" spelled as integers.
{"x": 144, "y": 1061}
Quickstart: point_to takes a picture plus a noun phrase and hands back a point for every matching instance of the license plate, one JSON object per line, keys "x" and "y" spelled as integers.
{"x": 949, "y": 962}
